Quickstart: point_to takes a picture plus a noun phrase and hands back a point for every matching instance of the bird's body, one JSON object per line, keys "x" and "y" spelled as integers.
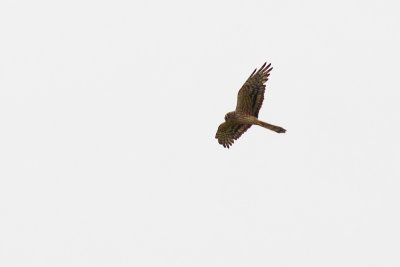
{"x": 250, "y": 99}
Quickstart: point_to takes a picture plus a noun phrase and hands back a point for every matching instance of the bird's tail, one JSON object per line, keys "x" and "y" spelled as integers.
{"x": 271, "y": 127}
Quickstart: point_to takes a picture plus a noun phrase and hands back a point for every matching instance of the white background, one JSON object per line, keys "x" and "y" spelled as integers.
{"x": 108, "y": 112}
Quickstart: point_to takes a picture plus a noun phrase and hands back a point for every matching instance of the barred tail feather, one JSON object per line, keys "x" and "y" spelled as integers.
{"x": 271, "y": 127}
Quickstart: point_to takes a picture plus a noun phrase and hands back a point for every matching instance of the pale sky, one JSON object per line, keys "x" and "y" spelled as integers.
{"x": 108, "y": 113}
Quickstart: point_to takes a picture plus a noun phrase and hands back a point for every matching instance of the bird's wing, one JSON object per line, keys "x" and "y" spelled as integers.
{"x": 229, "y": 131}
{"x": 251, "y": 95}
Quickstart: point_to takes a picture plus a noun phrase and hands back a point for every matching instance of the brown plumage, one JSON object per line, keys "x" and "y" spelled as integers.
{"x": 249, "y": 102}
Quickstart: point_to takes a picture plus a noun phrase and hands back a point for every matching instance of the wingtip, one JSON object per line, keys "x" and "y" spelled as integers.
{"x": 253, "y": 73}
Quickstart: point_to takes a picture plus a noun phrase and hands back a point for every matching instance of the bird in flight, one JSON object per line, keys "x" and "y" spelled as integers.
{"x": 249, "y": 102}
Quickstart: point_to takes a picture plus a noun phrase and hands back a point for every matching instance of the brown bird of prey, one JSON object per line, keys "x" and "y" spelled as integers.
{"x": 249, "y": 102}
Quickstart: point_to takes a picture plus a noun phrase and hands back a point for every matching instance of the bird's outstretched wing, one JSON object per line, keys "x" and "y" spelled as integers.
{"x": 229, "y": 131}
{"x": 251, "y": 95}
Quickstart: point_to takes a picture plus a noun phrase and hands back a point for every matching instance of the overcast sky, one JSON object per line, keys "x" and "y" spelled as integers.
{"x": 108, "y": 113}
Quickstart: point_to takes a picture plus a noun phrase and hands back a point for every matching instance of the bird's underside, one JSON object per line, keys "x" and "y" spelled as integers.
{"x": 249, "y": 102}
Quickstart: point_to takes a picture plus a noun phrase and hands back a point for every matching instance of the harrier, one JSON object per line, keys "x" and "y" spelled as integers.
{"x": 249, "y": 102}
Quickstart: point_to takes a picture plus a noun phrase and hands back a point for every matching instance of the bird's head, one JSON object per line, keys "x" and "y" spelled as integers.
{"x": 229, "y": 115}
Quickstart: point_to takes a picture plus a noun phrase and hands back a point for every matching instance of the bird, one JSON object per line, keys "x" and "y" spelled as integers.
{"x": 249, "y": 101}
